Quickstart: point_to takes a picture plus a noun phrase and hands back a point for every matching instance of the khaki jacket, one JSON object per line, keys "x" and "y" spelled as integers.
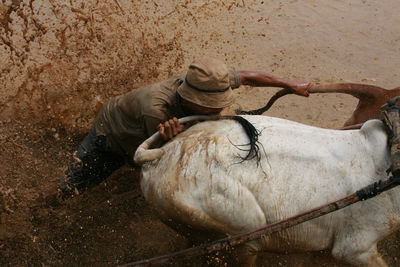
{"x": 129, "y": 119}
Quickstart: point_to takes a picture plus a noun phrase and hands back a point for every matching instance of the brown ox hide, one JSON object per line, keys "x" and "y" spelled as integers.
{"x": 371, "y": 98}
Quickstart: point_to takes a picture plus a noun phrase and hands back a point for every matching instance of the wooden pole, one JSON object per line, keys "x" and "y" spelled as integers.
{"x": 391, "y": 118}
{"x": 365, "y": 193}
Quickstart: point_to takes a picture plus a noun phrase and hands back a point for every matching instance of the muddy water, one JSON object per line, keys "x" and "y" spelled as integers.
{"x": 60, "y": 61}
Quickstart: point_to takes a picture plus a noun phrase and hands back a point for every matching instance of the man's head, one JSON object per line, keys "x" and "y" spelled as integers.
{"x": 206, "y": 87}
{"x": 193, "y": 109}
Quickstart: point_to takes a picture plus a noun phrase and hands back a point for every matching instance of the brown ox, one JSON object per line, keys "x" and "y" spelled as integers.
{"x": 371, "y": 98}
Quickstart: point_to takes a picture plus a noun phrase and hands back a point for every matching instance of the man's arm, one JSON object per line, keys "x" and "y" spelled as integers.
{"x": 262, "y": 79}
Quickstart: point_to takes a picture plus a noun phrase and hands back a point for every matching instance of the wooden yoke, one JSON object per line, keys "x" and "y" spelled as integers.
{"x": 391, "y": 119}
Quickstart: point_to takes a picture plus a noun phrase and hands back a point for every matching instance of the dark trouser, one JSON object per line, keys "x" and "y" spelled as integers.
{"x": 91, "y": 164}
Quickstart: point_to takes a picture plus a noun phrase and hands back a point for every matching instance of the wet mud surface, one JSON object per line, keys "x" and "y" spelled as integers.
{"x": 61, "y": 60}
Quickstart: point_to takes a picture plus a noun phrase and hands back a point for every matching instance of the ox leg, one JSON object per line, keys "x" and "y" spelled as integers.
{"x": 375, "y": 259}
{"x": 358, "y": 256}
{"x": 247, "y": 253}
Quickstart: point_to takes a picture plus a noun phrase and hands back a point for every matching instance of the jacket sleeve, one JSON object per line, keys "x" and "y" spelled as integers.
{"x": 234, "y": 79}
{"x": 150, "y": 124}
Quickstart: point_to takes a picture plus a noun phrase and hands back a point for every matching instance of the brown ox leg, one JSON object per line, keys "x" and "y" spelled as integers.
{"x": 371, "y": 98}
{"x": 247, "y": 253}
{"x": 376, "y": 259}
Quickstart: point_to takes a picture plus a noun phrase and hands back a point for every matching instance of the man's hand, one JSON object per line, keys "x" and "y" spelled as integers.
{"x": 170, "y": 128}
{"x": 300, "y": 87}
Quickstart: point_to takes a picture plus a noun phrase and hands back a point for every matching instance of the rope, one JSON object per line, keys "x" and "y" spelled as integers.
{"x": 360, "y": 195}
{"x": 366, "y": 192}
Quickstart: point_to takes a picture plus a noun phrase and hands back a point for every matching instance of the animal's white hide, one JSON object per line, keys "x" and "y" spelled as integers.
{"x": 201, "y": 181}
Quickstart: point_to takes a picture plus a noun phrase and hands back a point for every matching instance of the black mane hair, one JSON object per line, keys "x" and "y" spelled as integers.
{"x": 252, "y": 133}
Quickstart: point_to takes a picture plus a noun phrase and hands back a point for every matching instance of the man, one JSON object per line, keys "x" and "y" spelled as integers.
{"x": 127, "y": 120}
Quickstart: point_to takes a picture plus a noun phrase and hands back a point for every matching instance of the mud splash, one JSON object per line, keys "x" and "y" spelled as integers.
{"x": 62, "y": 60}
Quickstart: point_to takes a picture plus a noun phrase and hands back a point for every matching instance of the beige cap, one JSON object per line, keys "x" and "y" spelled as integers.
{"x": 207, "y": 84}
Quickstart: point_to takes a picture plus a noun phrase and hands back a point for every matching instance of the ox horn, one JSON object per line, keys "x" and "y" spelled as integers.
{"x": 144, "y": 154}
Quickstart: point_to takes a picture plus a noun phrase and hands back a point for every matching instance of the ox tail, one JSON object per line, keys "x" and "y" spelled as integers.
{"x": 357, "y": 90}
{"x": 260, "y": 111}
{"x": 144, "y": 154}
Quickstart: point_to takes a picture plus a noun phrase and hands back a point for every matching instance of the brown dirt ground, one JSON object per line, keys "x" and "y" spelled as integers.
{"x": 61, "y": 60}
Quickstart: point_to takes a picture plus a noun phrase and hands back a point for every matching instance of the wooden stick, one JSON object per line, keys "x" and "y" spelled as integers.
{"x": 365, "y": 193}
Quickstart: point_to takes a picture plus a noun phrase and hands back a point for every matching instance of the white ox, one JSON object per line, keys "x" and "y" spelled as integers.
{"x": 198, "y": 180}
